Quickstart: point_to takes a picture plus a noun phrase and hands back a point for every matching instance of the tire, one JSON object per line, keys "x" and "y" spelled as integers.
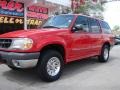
{"x": 104, "y": 56}
{"x": 50, "y": 61}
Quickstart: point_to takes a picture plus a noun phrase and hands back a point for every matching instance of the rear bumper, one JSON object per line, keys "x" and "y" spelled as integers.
{"x": 20, "y": 60}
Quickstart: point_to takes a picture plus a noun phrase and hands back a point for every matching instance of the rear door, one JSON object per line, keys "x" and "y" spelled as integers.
{"x": 107, "y": 33}
{"x": 95, "y": 36}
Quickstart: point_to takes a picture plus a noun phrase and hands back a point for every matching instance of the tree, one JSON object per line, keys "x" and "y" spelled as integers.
{"x": 116, "y": 28}
{"x": 89, "y": 7}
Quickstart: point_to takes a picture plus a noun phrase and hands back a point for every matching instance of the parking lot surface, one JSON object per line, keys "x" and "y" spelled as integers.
{"x": 86, "y": 74}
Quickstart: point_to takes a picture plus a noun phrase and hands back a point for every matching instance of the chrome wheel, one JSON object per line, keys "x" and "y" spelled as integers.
{"x": 53, "y": 66}
{"x": 106, "y": 53}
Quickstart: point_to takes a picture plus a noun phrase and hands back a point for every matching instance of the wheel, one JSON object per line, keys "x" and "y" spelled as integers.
{"x": 50, "y": 65}
{"x": 104, "y": 56}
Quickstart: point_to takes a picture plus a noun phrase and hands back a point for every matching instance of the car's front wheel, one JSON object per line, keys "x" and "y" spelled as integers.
{"x": 50, "y": 65}
{"x": 104, "y": 56}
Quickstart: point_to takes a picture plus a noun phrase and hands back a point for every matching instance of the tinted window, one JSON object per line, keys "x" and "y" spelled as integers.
{"x": 94, "y": 25}
{"x": 105, "y": 27}
{"x": 81, "y": 20}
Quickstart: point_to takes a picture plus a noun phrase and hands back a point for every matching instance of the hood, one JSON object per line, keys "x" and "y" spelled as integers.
{"x": 31, "y": 32}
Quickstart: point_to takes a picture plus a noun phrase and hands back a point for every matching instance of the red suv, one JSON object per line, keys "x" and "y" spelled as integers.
{"x": 61, "y": 39}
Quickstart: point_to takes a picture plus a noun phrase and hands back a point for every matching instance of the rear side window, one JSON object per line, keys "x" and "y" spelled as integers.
{"x": 105, "y": 27}
{"x": 94, "y": 26}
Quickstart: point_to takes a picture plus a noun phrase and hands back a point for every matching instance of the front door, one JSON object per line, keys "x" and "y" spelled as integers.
{"x": 81, "y": 45}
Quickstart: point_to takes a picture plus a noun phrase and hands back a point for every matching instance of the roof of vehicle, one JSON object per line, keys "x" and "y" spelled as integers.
{"x": 85, "y": 16}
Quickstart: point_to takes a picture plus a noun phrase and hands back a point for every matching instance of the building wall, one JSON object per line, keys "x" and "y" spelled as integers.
{"x": 66, "y": 3}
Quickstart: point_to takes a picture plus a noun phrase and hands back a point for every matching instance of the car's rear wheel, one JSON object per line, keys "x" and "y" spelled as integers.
{"x": 50, "y": 65}
{"x": 104, "y": 56}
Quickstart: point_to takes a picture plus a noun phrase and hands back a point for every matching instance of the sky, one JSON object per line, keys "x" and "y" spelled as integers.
{"x": 112, "y": 13}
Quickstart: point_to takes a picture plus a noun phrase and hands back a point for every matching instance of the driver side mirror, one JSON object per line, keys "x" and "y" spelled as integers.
{"x": 78, "y": 27}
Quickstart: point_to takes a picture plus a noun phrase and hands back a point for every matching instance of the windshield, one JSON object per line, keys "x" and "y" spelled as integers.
{"x": 61, "y": 21}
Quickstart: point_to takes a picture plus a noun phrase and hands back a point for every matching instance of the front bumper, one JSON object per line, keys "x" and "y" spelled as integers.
{"x": 20, "y": 60}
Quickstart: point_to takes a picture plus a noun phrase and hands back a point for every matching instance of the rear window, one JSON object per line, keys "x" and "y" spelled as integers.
{"x": 105, "y": 27}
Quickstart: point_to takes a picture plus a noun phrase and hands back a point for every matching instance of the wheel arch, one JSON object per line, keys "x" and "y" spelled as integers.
{"x": 58, "y": 47}
{"x": 107, "y": 43}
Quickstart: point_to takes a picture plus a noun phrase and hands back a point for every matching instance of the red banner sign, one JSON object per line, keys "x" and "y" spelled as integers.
{"x": 10, "y": 7}
{"x": 38, "y": 9}
{"x": 37, "y": 12}
{"x": 36, "y": 15}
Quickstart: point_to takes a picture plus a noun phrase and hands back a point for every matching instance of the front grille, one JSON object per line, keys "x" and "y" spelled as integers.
{"x": 5, "y": 43}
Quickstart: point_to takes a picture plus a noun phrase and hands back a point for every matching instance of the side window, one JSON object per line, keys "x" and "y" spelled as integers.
{"x": 82, "y": 21}
{"x": 105, "y": 27}
{"x": 94, "y": 26}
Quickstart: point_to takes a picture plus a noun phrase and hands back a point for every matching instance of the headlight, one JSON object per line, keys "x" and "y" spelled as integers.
{"x": 21, "y": 43}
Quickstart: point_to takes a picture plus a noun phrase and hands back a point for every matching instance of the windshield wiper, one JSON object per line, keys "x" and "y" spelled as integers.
{"x": 50, "y": 27}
